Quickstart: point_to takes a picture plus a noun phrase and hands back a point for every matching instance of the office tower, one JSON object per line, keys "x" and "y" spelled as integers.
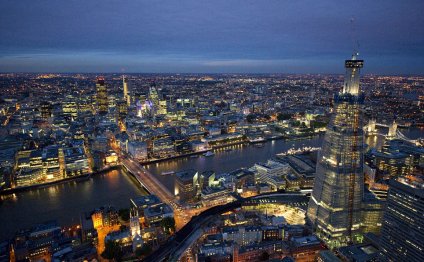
{"x": 186, "y": 184}
{"x": 335, "y": 206}
{"x": 101, "y": 99}
{"x": 402, "y": 234}
{"x": 70, "y": 107}
{"x": 46, "y": 110}
{"x": 127, "y": 97}
{"x": 122, "y": 109}
{"x": 153, "y": 95}
{"x": 162, "y": 107}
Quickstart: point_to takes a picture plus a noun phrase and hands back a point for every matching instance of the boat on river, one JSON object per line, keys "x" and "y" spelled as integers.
{"x": 209, "y": 153}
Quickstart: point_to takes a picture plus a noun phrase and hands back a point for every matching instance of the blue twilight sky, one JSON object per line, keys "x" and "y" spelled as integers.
{"x": 275, "y": 36}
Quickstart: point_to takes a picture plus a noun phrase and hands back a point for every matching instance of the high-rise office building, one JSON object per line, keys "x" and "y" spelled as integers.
{"x": 127, "y": 97}
{"x": 186, "y": 184}
{"x": 46, "y": 109}
{"x": 336, "y": 202}
{"x": 101, "y": 98}
{"x": 402, "y": 234}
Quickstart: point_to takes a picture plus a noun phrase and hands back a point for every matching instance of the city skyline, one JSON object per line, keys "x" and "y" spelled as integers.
{"x": 211, "y": 131}
{"x": 219, "y": 37}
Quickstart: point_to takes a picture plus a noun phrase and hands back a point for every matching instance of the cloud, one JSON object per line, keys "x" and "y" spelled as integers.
{"x": 207, "y": 35}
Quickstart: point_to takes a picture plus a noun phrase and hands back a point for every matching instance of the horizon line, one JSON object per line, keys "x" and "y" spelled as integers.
{"x": 205, "y": 73}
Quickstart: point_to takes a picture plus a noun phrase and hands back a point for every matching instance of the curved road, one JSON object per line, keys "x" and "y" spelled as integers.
{"x": 174, "y": 248}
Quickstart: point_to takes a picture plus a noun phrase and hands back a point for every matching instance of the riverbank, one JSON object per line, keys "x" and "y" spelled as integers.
{"x": 15, "y": 190}
{"x": 292, "y": 138}
{"x": 66, "y": 202}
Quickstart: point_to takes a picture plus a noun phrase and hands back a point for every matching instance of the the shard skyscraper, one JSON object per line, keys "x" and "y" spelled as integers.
{"x": 335, "y": 206}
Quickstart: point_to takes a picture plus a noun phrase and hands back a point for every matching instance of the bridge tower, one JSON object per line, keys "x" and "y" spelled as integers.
{"x": 392, "y": 130}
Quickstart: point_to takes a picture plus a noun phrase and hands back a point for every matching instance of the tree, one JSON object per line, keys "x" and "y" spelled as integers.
{"x": 264, "y": 256}
{"x": 168, "y": 224}
{"x": 122, "y": 228}
{"x": 143, "y": 251}
{"x": 124, "y": 214}
{"x": 284, "y": 116}
{"x": 250, "y": 118}
{"x": 317, "y": 124}
{"x": 296, "y": 123}
{"x": 112, "y": 251}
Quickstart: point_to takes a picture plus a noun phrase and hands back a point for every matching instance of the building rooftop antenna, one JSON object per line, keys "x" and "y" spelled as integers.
{"x": 355, "y": 41}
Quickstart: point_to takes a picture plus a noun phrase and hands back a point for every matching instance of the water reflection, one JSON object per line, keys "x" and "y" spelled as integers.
{"x": 225, "y": 160}
{"x": 65, "y": 202}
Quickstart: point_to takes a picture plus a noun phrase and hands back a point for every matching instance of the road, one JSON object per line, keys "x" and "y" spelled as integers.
{"x": 174, "y": 248}
{"x": 155, "y": 187}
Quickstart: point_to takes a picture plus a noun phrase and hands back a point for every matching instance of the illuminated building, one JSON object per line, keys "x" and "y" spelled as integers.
{"x": 394, "y": 163}
{"x": 336, "y": 202}
{"x": 97, "y": 218}
{"x": 122, "y": 109}
{"x": 127, "y": 97}
{"x": 104, "y": 217}
{"x": 184, "y": 103}
{"x": 46, "y": 110}
{"x": 143, "y": 202}
{"x": 29, "y": 167}
{"x": 38, "y": 243}
{"x": 70, "y": 108}
{"x": 51, "y": 162}
{"x": 134, "y": 222}
{"x": 207, "y": 179}
{"x": 154, "y": 214}
{"x": 138, "y": 150}
{"x": 402, "y": 234}
{"x": 243, "y": 235}
{"x": 213, "y": 196}
{"x": 101, "y": 98}
{"x": 421, "y": 102}
{"x": 111, "y": 158}
{"x": 76, "y": 161}
{"x": 163, "y": 147}
{"x": 306, "y": 248}
{"x": 162, "y": 107}
{"x": 112, "y": 103}
{"x": 359, "y": 252}
{"x": 372, "y": 212}
{"x": 271, "y": 173}
{"x": 122, "y": 238}
{"x": 186, "y": 184}
{"x": 153, "y": 95}
{"x": 397, "y": 158}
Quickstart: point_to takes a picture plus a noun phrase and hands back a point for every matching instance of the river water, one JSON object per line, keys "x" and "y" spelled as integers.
{"x": 65, "y": 202}
{"x": 226, "y": 161}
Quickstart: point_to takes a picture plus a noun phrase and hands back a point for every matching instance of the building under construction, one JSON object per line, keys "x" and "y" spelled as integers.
{"x": 337, "y": 207}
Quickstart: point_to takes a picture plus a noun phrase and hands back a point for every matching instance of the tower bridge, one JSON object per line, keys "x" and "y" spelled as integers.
{"x": 372, "y": 129}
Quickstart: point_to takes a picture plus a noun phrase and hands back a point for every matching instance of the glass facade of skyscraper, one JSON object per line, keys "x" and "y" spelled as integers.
{"x": 336, "y": 202}
{"x": 402, "y": 234}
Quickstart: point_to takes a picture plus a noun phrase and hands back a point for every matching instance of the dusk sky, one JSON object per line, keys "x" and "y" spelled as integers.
{"x": 215, "y": 36}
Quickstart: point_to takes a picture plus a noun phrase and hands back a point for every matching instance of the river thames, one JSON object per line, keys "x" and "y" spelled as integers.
{"x": 65, "y": 202}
